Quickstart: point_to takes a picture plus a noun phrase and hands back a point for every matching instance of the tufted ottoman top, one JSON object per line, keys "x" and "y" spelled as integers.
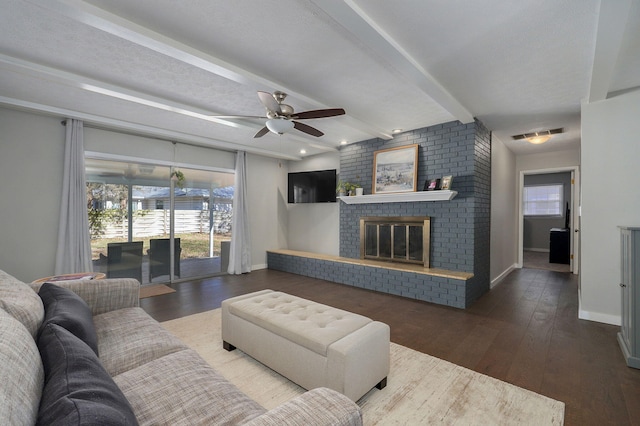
{"x": 306, "y": 323}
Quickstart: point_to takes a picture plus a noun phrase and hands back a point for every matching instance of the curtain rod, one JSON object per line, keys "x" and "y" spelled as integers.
{"x": 130, "y": 133}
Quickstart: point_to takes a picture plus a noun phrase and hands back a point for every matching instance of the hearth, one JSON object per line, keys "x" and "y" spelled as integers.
{"x": 396, "y": 239}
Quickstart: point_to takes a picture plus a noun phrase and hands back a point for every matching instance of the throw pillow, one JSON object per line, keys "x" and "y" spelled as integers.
{"x": 65, "y": 308}
{"x": 78, "y": 390}
{"x": 19, "y": 300}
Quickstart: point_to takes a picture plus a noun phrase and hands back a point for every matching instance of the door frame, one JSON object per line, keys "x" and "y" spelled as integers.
{"x": 574, "y": 223}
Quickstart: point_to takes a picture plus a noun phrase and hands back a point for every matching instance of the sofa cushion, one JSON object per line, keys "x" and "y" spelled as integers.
{"x": 129, "y": 337}
{"x": 77, "y": 388}
{"x": 19, "y": 300}
{"x": 181, "y": 388}
{"x": 66, "y": 309}
{"x": 21, "y": 373}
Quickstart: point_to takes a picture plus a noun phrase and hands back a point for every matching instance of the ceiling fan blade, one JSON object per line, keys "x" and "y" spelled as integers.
{"x": 262, "y": 132}
{"x": 269, "y": 102}
{"x": 319, "y": 113}
{"x": 307, "y": 129}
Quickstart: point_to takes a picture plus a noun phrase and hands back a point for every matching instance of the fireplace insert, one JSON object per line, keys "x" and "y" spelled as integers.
{"x": 396, "y": 239}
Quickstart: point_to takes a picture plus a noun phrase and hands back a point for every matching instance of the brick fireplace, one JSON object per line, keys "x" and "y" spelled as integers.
{"x": 459, "y": 243}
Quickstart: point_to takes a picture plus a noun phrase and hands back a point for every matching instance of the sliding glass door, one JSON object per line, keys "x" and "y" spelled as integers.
{"x": 202, "y": 222}
{"x": 156, "y": 229}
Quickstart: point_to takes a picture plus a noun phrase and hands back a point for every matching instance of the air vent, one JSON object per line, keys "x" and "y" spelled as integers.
{"x": 541, "y": 133}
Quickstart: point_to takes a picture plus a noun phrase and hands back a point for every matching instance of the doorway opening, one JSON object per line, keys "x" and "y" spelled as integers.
{"x": 549, "y": 219}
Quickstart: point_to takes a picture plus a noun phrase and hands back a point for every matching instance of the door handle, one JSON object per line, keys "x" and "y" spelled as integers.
{"x": 622, "y": 285}
{"x": 576, "y": 230}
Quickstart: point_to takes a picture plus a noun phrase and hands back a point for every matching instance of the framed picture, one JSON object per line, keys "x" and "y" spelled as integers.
{"x": 432, "y": 185}
{"x": 395, "y": 169}
{"x": 446, "y": 182}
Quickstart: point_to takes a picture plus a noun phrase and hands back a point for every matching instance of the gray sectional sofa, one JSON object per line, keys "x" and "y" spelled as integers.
{"x": 91, "y": 355}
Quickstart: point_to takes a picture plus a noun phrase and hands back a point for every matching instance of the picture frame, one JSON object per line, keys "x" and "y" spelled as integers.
{"x": 432, "y": 185}
{"x": 395, "y": 170}
{"x": 446, "y": 183}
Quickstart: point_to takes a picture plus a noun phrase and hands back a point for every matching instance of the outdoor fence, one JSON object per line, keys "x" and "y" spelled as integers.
{"x": 151, "y": 223}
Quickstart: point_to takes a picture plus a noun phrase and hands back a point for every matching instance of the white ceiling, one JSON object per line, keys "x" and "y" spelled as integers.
{"x": 162, "y": 67}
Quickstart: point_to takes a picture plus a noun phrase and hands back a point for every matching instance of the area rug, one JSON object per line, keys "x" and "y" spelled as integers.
{"x": 154, "y": 290}
{"x": 421, "y": 389}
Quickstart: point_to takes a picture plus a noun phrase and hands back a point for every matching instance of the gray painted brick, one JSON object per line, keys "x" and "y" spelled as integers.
{"x": 460, "y": 229}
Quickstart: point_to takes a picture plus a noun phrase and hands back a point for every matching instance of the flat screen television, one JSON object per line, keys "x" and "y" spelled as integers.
{"x": 312, "y": 187}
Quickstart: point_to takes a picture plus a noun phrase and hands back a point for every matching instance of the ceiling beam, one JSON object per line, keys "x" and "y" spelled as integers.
{"x": 102, "y": 88}
{"x": 144, "y": 130}
{"x": 105, "y": 89}
{"x": 355, "y": 20}
{"x": 612, "y": 21}
{"x": 115, "y": 25}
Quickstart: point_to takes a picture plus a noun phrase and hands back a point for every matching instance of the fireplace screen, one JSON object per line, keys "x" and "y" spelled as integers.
{"x": 395, "y": 239}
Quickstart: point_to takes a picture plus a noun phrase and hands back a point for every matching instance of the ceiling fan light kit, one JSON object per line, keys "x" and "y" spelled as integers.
{"x": 279, "y": 126}
{"x": 281, "y": 117}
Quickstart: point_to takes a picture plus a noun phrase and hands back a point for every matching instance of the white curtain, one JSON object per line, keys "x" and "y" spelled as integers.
{"x": 240, "y": 250}
{"x": 74, "y": 246}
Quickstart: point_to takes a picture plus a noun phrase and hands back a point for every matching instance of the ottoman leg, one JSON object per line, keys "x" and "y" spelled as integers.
{"x": 229, "y": 347}
{"x": 382, "y": 384}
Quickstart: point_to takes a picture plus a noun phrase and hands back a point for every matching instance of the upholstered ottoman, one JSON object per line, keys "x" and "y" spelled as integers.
{"x": 311, "y": 344}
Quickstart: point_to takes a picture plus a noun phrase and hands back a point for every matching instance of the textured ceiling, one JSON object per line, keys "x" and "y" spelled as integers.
{"x": 162, "y": 67}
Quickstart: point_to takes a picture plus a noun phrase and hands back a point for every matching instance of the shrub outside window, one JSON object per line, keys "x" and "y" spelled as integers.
{"x": 543, "y": 200}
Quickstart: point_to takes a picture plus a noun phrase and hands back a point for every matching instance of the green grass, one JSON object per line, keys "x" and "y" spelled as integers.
{"x": 193, "y": 245}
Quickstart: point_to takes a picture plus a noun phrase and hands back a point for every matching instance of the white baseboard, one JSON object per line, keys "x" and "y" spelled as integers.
{"x": 258, "y": 267}
{"x": 502, "y": 276}
{"x": 598, "y": 317}
{"x": 539, "y": 250}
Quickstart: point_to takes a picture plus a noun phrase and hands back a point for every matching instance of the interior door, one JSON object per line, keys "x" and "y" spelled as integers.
{"x": 575, "y": 221}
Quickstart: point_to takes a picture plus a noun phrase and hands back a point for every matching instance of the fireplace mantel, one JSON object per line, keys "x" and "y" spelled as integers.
{"x": 403, "y": 197}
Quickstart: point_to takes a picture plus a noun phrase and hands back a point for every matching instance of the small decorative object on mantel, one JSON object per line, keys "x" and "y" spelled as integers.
{"x": 347, "y": 188}
{"x": 351, "y": 188}
{"x": 447, "y": 181}
{"x": 432, "y": 185}
{"x": 178, "y": 177}
{"x": 395, "y": 169}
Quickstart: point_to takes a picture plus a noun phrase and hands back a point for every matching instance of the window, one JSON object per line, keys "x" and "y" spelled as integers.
{"x": 203, "y": 212}
{"x": 543, "y": 200}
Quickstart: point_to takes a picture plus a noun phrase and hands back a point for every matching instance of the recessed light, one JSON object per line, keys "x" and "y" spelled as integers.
{"x": 303, "y": 151}
{"x": 395, "y": 131}
{"x": 343, "y": 142}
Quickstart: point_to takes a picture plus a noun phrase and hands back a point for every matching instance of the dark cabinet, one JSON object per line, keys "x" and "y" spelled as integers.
{"x": 559, "y": 251}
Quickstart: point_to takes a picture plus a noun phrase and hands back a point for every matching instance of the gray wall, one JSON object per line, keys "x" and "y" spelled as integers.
{"x": 536, "y": 229}
{"x": 610, "y": 198}
{"x": 31, "y": 169}
{"x": 313, "y": 227}
{"x": 504, "y": 211}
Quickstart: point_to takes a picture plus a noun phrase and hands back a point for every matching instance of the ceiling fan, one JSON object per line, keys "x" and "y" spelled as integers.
{"x": 281, "y": 117}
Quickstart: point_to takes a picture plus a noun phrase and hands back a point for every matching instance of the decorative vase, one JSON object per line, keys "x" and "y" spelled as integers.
{"x": 359, "y": 191}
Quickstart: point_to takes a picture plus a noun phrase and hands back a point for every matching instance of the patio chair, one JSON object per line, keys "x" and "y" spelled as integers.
{"x": 159, "y": 257}
{"x": 124, "y": 260}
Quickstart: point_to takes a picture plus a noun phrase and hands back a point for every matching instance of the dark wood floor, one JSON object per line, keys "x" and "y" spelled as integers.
{"x": 525, "y": 331}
